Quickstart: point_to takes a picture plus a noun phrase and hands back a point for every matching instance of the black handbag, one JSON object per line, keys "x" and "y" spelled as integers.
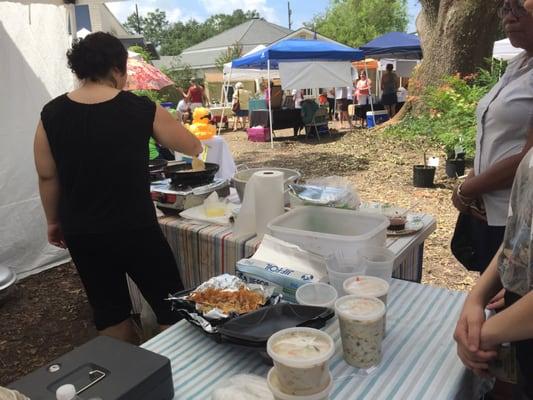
{"x": 462, "y": 245}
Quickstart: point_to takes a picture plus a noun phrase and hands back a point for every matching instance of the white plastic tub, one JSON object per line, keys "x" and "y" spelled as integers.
{"x": 326, "y": 231}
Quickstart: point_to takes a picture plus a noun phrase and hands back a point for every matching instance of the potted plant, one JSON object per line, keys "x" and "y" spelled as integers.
{"x": 423, "y": 175}
{"x": 455, "y": 161}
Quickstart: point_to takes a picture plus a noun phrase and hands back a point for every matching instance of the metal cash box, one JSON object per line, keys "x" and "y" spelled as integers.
{"x": 103, "y": 368}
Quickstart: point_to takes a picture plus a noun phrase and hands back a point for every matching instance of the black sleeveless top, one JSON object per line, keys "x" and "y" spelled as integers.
{"x": 101, "y": 154}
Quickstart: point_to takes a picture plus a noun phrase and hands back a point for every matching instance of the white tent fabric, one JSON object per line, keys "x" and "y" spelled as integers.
{"x": 504, "y": 50}
{"x": 33, "y": 70}
{"x": 316, "y": 74}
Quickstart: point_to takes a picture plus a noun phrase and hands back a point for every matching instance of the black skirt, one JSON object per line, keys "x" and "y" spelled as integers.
{"x": 389, "y": 99}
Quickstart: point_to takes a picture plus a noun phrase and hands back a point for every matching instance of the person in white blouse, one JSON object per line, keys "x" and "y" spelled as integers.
{"x": 502, "y": 141}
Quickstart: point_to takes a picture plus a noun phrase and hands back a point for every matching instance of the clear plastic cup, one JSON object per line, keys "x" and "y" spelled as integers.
{"x": 275, "y": 387}
{"x": 339, "y": 270}
{"x": 367, "y": 286}
{"x": 316, "y": 294}
{"x": 361, "y": 322}
{"x": 301, "y": 358}
{"x": 377, "y": 261}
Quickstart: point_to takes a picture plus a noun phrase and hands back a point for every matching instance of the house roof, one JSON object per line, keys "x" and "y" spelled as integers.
{"x": 249, "y": 35}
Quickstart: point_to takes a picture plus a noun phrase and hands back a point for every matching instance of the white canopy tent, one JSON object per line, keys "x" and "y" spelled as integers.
{"x": 34, "y": 39}
{"x": 504, "y": 50}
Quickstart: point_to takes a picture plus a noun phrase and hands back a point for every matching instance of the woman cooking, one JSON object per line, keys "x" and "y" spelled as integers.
{"x": 501, "y": 143}
{"x": 108, "y": 222}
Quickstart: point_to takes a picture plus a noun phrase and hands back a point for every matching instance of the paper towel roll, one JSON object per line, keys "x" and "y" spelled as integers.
{"x": 263, "y": 201}
{"x": 269, "y": 201}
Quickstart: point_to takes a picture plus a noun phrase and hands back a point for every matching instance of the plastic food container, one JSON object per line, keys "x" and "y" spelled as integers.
{"x": 367, "y": 286}
{"x": 275, "y": 388}
{"x": 301, "y": 358}
{"x": 340, "y": 270}
{"x": 361, "y": 322}
{"x": 316, "y": 294}
{"x": 325, "y": 230}
{"x": 377, "y": 261}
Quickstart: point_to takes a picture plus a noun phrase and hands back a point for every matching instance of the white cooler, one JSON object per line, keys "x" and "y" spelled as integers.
{"x": 326, "y": 231}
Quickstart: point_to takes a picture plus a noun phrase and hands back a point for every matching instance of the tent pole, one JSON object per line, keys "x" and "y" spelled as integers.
{"x": 370, "y": 95}
{"x": 270, "y": 107}
{"x": 225, "y": 94}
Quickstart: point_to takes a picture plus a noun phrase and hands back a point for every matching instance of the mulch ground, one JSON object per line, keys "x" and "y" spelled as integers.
{"x": 49, "y": 314}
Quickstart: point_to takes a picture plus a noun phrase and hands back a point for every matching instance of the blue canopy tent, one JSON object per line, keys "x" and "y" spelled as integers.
{"x": 397, "y": 45}
{"x": 394, "y": 45}
{"x": 295, "y": 50}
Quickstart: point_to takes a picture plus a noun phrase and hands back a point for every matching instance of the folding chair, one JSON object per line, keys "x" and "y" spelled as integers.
{"x": 319, "y": 123}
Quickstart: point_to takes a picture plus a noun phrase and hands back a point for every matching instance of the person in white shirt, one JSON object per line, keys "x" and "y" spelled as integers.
{"x": 331, "y": 102}
{"x": 501, "y": 143}
{"x": 183, "y": 110}
{"x": 298, "y": 97}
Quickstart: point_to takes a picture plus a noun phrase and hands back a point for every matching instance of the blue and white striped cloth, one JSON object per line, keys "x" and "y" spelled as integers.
{"x": 419, "y": 355}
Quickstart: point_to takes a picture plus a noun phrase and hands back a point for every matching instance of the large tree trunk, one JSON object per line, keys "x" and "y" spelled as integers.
{"x": 456, "y": 36}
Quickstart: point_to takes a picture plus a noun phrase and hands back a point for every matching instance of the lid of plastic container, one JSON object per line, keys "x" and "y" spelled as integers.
{"x": 316, "y": 294}
{"x": 366, "y": 286}
{"x": 7, "y": 277}
{"x": 66, "y": 392}
{"x": 307, "y": 335}
{"x": 274, "y": 386}
{"x": 360, "y": 308}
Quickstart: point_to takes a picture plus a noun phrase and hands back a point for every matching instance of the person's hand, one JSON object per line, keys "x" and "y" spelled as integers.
{"x": 55, "y": 235}
{"x": 468, "y": 337}
{"x": 458, "y": 203}
{"x": 497, "y": 302}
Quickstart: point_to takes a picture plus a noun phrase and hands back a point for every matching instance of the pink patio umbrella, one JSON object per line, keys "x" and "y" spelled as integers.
{"x": 144, "y": 76}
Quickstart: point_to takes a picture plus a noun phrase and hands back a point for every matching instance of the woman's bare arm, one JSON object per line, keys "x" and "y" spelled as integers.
{"x": 173, "y": 135}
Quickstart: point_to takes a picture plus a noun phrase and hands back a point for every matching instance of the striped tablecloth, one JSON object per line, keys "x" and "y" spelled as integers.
{"x": 205, "y": 250}
{"x": 419, "y": 357}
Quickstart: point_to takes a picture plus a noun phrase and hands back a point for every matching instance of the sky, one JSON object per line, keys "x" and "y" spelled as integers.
{"x": 272, "y": 10}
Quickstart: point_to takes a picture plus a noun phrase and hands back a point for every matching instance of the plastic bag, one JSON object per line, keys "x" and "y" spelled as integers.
{"x": 243, "y": 387}
{"x": 331, "y": 191}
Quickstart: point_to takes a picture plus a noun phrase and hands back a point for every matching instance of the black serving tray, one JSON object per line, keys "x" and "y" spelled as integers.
{"x": 254, "y": 329}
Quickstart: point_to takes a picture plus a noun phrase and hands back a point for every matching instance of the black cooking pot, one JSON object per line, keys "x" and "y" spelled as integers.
{"x": 182, "y": 174}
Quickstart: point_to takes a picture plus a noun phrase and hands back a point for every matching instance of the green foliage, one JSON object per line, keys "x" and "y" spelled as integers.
{"x": 181, "y": 75}
{"x": 356, "y": 22}
{"x": 175, "y": 37}
{"x": 447, "y": 117}
{"x": 153, "y": 95}
{"x": 145, "y": 55}
{"x": 231, "y": 53}
{"x": 154, "y": 26}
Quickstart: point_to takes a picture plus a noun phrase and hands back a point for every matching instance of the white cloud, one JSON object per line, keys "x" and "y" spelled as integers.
{"x": 125, "y": 8}
{"x": 227, "y": 6}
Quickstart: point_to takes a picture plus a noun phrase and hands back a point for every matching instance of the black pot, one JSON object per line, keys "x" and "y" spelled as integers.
{"x": 423, "y": 176}
{"x": 455, "y": 167}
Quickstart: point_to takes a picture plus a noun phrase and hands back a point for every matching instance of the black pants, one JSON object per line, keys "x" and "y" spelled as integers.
{"x": 475, "y": 243}
{"x": 331, "y": 107}
{"x": 103, "y": 260}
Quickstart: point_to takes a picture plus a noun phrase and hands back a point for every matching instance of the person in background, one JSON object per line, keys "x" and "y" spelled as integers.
{"x": 341, "y": 98}
{"x": 195, "y": 95}
{"x": 331, "y": 102}
{"x": 363, "y": 87}
{"x": 108, "y": 236}
{"x": 184, "y": 110}
{"x": 298, "y": 97}
{"x": 401, "y": 95}
{"x": 501, "y": 143}
{"x": 242, "y": 97}
{"x": 389, "y": 86}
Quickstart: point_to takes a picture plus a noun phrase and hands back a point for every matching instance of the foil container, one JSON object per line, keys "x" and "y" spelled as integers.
{"x": 209, "y": 321}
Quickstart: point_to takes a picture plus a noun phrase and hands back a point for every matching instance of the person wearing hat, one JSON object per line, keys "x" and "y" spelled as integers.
{"x": 240, "y": 105}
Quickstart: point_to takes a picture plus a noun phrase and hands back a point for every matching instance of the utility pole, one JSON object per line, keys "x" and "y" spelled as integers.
{"x": 138, "y": 20}
{"x": 289, "y": 12}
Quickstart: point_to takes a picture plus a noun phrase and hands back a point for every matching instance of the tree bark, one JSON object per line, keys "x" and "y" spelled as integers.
{"x": 456, "y": 37}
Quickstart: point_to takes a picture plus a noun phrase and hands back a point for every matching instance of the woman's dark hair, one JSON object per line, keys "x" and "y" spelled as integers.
{"x": 96, "y": 55}
{"x": 390, "y": 67}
